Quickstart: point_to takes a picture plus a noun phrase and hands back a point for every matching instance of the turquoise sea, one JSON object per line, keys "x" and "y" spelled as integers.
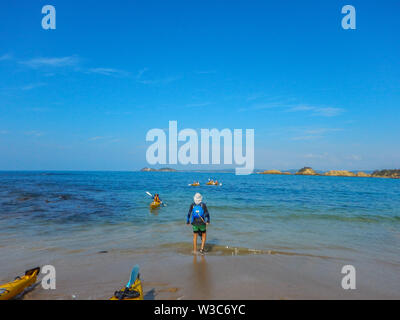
{"x": 328, "y": 216}
{"x": 69, "y": 213}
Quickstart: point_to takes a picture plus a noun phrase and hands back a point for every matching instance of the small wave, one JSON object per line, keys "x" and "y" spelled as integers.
{"x": 271, "y": 212}
{"x": 22, "y": 199}
{"x": 220, "y": 250}
{"x": 60, "y": 173}
{"x": 241, "y": 208}
{"x": 338, "y": 217}
{"x": 25, "y": 196}
{"x": 65, "y": 197}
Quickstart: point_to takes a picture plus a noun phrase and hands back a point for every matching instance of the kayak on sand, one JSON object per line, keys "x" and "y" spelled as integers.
{"x": 133, "y": 289}
{"x": 11, "y": 289}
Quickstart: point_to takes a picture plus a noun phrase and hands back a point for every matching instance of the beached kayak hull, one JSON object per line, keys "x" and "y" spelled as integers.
{"x": 154, "y": 205}
{"x": 137, "y": 286}
{"x": 11, "y": 289}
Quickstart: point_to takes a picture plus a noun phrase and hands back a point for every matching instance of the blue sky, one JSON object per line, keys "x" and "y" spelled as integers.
{"x": 83, "y": 96}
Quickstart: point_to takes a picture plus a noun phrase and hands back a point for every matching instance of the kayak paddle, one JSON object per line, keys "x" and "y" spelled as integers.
{"x": 134, "y": 275}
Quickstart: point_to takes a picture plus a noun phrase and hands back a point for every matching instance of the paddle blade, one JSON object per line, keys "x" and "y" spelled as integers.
{"x": 149, "y": 194}
{"x": 134, "y": 275}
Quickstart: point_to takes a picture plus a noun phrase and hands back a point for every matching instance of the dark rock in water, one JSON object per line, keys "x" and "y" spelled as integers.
{"x": 386, "y": 173}
{"x": 158, "y": 170}
{"x": 306, "y": 171}
{"x": 167, "y": 170}
{"x": 23, "y": 198}
{"x": 104, "y": 251}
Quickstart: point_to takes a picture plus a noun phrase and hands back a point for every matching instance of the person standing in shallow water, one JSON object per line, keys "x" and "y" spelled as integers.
{"x": 199, "y": 217}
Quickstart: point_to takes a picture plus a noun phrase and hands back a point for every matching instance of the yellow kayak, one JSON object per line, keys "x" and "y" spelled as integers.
{"x": 131, "y": 291}
{"x": 194, "y": 184}
{"x": 11, "y": 289}
{"x": 134, "y": 293}
{"x": 154, "y": 205}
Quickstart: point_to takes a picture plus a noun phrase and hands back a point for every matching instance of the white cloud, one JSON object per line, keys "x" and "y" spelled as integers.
{"x": 312, "y": 134}
{"x": 316, "y": 156}
{"x": 5, "y": 57}
{"x": 323, "y": 130}
{"x": 140, "y": 73}
{"x": 108, "y": 72}
{"x": 300, "y": 108}
{"x": 118, "y": 113}
{"x": 309, "y": 137}
{"x": 159, "y": 80}
{"x": 287, "y": 105}
{"x": 96, "y": 138}
{"x": 354, "y": 157}
{"x": 317, "y": 111}
{"x": 38, "y": 109}
{"x": 206, "y": 72}
{"x": 107, "y": 139}
{"x": 198, "y": 105}
{"x": 33, "y": 86}
{"x": 34, "y": 133}
{"x": 328, "y": 112}
{"x": 51, "y": 62}
{"x": 263, "y": 106}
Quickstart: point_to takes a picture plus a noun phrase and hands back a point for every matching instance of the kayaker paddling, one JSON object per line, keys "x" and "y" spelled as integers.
{"x": 197, "y": 216}
{"x": 156, "y": 201}
{"x": 156, "y": 198}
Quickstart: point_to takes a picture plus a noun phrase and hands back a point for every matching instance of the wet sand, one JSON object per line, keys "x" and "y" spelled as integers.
{"x": 185, "y": 276}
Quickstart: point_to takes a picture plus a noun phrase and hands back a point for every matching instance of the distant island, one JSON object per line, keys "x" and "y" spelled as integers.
{"x": 308, "y": 171}
{"x": 158, "y": 170}
{"x": 393, "y": 173}
{"x": 274, "y": 172}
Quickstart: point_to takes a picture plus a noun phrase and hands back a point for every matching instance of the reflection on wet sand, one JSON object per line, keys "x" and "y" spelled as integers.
{"x": 200, "y": 277}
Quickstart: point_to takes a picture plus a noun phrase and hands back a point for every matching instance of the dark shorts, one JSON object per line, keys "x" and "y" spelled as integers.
{"x": 199, "y": 229}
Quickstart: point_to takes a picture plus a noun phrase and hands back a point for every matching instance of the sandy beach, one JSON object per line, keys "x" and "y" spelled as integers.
{"x": 184, "y": 276}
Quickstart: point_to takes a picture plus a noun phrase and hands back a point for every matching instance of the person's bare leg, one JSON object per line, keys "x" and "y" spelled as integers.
{"x": 203, "y": 240}
{"x": 194, "y": 242}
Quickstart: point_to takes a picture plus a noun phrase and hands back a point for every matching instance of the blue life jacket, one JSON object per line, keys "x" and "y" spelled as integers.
{"x": 198, "y": 213}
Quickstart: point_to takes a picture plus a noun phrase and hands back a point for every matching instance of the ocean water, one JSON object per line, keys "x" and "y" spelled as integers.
{"x": 80, "y": 213}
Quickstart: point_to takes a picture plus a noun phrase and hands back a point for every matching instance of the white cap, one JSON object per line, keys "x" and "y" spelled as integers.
{"x": 197, "y": 198}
